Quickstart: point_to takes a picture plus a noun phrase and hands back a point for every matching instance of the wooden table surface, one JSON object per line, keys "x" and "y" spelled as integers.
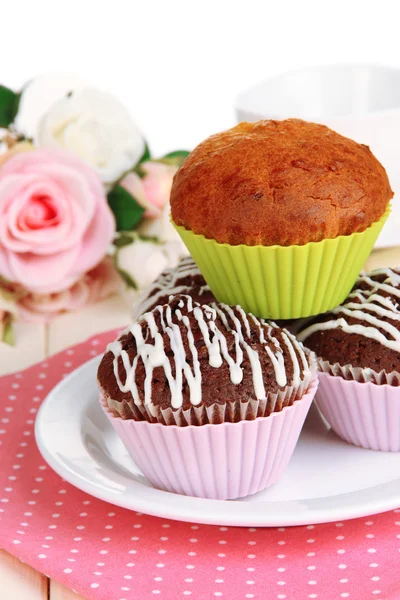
{"x": 34, "y": 342}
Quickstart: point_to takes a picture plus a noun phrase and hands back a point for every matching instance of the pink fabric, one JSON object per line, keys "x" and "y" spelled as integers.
{"x": 363, "y": 414}
{"x": 109, "y": 553}
{"x": 252, "y": 455}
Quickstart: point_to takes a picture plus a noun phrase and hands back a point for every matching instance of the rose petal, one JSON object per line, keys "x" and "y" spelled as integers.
{"x": 45, "y": 274}
{"x": 80, "y": 188}
{"x": 9, "y": 194}
{"x": 158, "y": 182}
{"x": 97, "y": 284}
{"x": 134, "y": 185}
{"x": 101, "y": 232}
{"x": 46, "y": 234}
{"x": 5, "y": 270}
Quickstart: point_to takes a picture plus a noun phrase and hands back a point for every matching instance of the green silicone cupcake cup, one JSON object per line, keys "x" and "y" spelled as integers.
{"x": 283, "y": 282}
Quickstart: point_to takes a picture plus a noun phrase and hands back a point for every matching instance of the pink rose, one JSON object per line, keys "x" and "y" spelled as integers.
{"x": 153, "y": 190}
{"x": 96, "y": 285}
{"x": 55, "y": 223}
{"x": 18, "y": 147}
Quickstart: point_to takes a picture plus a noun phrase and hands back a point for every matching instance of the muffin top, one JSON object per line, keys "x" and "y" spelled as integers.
{"x": 185, "y": 278}
{"x": 279, "y": 182}
{"x": 183, "y": 355}
{"x": 365, "y": 330}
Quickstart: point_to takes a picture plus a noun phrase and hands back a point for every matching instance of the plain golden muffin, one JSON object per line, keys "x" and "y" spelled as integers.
{"x": 279, "y": 182}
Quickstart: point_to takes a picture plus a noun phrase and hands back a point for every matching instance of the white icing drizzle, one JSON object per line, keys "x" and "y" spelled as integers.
{"x": 245, "y": 320}
{"x": 214, "y": 322}
{"x": 167, "y": 284}
{"x": 374, "y": 326}
{"x": 279, "y": 366}
{"x": 235, "y": 370}
{"x": 215, "y": 358}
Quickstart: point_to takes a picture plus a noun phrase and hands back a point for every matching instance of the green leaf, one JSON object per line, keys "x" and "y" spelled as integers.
{"x": 175, "y": 158}
{"x": 152, "y": 239}
{"x": 124, "y": 239}
{"x": 130, "y": 282}
{"x": 9, "y": 104}
{"x": 127, "y": 211}
{"x": 8, "y": 332}
{"x": 177, "y": 154}
{"x": 146, "y": 154}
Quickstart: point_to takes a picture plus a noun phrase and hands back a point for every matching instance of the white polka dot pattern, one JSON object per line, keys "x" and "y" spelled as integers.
{"x": 104, "y": 552}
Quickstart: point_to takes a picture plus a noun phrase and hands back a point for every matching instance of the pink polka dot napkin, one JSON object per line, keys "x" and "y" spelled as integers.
{"x": 109, "y": 553}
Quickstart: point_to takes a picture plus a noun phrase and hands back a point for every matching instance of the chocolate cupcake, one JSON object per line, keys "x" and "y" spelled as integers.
{"x": 358, "y": 349}
{"x": 213, "y": 383}
{"x": 185, "y": 278}
{"x": 238, "y": 195}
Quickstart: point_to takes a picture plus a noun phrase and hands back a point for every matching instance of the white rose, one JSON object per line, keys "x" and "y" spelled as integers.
{"x": 96, "y": 127}
{"x": 38, "y": 95}
{"x": 162, "y": 228}
{"x": 144, "y": 260}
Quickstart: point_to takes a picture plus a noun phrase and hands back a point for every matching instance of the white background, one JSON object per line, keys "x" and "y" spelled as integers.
{"x": 178, "y": 65}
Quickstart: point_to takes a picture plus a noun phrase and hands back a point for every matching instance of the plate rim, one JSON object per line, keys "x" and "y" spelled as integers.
{"x": 183, "y": 508}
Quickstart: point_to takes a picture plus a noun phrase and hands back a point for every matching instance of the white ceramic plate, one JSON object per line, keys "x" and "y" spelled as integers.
{"x": 327, "y": 479}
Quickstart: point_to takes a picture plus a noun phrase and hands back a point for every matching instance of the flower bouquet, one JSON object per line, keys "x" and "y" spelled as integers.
{"x": 84, "y": 207}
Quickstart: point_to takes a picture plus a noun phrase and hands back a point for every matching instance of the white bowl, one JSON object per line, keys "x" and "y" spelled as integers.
{"x": 359, "y": 101}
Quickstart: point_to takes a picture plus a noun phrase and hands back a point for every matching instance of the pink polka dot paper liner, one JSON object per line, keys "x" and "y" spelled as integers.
{"x": 109, "y": 553}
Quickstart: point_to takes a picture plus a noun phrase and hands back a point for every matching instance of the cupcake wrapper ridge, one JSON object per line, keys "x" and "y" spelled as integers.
{"x": 215, "y": 413}
{"x": 283, "y": 282}
{"x": 362, "y": 375}
{"x": 224, "y": 461}
{"x": 362, "y": 413}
